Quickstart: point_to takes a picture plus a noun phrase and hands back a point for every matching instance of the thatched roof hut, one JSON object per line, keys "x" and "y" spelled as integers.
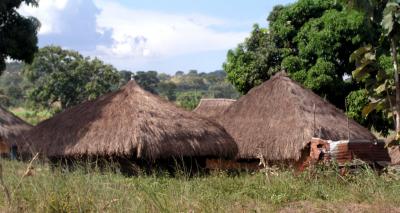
{"x": 276, "y": 119}
{"x": 11, "y": 128}
{"x": 213, "y": 107}
{"x": 130, "y": 122}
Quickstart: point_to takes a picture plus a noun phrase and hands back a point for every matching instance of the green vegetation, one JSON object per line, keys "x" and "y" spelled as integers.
{"x": 193, "y": 86}
{"x": 67, "y": 78}
{"x": 18, "y": 34}
{"x": 32, "y": 116}
{"x": 356, "y": 102}
{"x": 79, "y": 191}
{"x": 310, "y": 39}
{"x": 253, "y": 61}
{"x": 345, "y": 51}
{"x": 13, "y": 86}
{"x": 378, "y": 63}
{"x": 148, "y": 80}
{"x": 185, "y": 90}
{"x": 314, "y": 41}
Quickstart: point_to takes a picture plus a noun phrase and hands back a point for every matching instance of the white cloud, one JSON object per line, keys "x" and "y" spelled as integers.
{"x": 145, "y": 35}
{"x": 48, "y": 14}
{"x": 133, "y": 38}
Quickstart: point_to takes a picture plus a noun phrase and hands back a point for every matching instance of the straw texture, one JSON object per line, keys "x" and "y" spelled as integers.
{"x": 212, "y": 108}
{"x": 276, "y": 119}
{"x": 130, "y": 122}
{"x": 11, "y": 128}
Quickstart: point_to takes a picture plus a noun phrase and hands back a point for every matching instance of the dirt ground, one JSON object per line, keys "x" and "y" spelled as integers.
{"x": 307, "y": 206}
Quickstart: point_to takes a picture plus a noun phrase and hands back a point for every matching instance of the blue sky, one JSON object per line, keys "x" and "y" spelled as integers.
{"x": 161, "y": 35}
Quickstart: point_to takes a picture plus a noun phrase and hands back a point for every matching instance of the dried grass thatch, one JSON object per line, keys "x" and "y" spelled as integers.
{"x": 276, "y": 120}
{"x": 130, "y": 122}
{"x": 213, "y": 107}
{"x": 11, "y": 128}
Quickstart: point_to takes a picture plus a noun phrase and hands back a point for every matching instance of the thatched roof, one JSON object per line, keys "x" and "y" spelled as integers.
{"x": 130, "y": 122}
{"x": 212, "y": 107}
{"x": 276, "y": 119}
{"x": 11, "y": 127}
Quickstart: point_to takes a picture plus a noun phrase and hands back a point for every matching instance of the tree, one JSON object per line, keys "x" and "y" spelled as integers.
{"x": 218, "y": 86}
{"x": 311, "y": 40}
{"x": 188, "y": 89}
{"x": 253, "y": 61}
{"x": 179, "y": 73}
{"x": 189, "y": 100}
{"x": 163, "y": 77}
{"x": 18, "y": 34}
{"x": 125, "y": 76}
{"x": 147, "y": 80}
{"x": 382, "y": 83}
{"x": 167, "y": 89}
{"x": 391, "y": 25}
{"x": 190, "y": 81}
{"x": 356, "y": 102}
{"x": 192, "y": 73}
{"x": 66, "y": 77}
{"x": 13, "y": 85}
{"x": 96, "y": 78}
{"x": 222, "y": 89}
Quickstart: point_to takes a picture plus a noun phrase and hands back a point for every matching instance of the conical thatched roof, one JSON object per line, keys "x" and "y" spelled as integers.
{"x": 276, "y": 119}
{"x": 213, "y": 107}
{"x": 130, "y": 122}
{"x": 11, "y": 127}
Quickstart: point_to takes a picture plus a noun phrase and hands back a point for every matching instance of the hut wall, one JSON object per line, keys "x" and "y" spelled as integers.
{"x": 344, "y": 152}
{"x": 4, "y": 149}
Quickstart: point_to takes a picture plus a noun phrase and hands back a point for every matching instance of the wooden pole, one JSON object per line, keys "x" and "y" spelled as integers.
{"x": 348, "y": 123}
{"x": 314, "y": 121}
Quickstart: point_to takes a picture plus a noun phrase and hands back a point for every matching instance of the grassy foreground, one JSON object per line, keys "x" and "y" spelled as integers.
{"x": 79, "y": 191}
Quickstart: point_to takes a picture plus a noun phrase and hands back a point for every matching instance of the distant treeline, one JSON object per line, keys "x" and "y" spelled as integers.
{"x": 186, "y": 89}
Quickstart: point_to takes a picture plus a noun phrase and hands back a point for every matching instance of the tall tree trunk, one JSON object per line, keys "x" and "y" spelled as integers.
{"x": 396, "y": 81}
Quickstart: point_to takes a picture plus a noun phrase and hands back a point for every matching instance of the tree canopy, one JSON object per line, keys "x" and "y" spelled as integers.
{"x": 378, "y": 66}
{"x": 147, "y": 80}
{"x": 41, "y": 86}
{"x": 311, "y": 40}
{"x": 66, "y": 77}
{"x": 13, "y": 86}
{"x": 18, "y": 34}
{"x": 253, "y": 61}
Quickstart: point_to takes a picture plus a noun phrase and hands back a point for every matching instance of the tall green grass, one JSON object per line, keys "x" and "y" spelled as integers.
{"x": 104, "y": 191}
{"x": 32, "y": 116}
